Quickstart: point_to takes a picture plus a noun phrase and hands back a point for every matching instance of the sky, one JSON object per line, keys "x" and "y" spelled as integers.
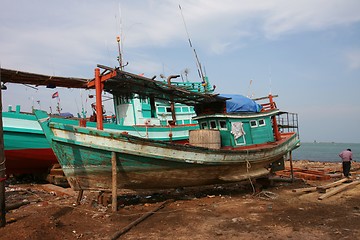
{"x": 305, "y": 51}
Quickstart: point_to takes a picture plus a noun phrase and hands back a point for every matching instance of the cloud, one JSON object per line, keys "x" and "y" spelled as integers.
{"x": 82, "y": 28}
{"x": 353, "y": 59}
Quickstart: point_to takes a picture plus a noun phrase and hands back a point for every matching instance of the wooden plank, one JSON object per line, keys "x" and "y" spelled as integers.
{"x": 330, "y": 185}
{"x": 310, "y": 176}
{"x": 137, "y": 221}
{"x": 2, "y": 169}
{"x": 338, "y": 189}
{"x": 291, "y": 167}
{"x": 114, "y": 182}
{"x": 308, "y": 189}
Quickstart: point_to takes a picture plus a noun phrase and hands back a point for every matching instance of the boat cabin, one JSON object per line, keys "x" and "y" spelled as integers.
{"x": 151, "y": 111}
{"x": 241, "y": 129}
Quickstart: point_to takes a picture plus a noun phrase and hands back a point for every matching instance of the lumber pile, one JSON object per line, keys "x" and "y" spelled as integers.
{"x": 330, "y": 189}
{"x": 305, "y": 174}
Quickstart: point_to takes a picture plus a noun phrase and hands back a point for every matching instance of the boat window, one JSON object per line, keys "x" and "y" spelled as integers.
{"x": 253, "y": 123}
{"x": 213, "y": 124}
{"x": 161, "y": 109}
{"x": 185, "y": 109}
{"x": 168, "y": 109}
{"x": 123, "y": 100}
{"x": 222, "y": 125}
{"x": 262, "y": 122}
{"x": 204, "y": 125}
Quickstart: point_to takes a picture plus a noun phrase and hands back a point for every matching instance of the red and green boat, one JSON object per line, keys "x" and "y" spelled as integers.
{"x": 27, "y": 151}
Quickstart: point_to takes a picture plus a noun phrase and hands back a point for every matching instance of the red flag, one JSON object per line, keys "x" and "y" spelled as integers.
{"x": 55, "y": 95}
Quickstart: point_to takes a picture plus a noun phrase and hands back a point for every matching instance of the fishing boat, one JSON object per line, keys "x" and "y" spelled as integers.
{"x": 227, "y": 147}
{"x": 25, "y": 145}
{"x": 28, "y": 152}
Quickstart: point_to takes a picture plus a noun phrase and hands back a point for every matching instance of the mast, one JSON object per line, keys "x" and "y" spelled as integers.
{"x": 198, "y": 64}
{"x": 119, "y": 52}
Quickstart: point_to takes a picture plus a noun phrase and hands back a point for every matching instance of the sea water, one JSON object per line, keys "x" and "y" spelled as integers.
{"x": 325, "y": 152}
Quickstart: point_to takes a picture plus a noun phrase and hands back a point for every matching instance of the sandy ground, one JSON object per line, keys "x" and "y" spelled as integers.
{"x": 233, "y": 211}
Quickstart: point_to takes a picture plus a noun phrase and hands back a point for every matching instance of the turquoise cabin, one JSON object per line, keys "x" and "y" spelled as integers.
{"x": 241, "y": 129}
{"x": 148, "y": 111}
{"x": 244, "y": 122}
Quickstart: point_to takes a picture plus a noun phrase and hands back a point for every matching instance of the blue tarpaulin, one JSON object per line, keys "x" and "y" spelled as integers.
{"x": 240, "y": 103}
{"x": 66, "y": 115}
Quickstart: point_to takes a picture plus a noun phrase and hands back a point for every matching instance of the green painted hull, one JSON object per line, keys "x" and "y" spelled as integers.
{"x": 85, "y": 156}
{"x": 27, "y": 150}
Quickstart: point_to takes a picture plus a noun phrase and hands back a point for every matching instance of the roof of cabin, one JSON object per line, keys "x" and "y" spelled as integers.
{"x": 20, "y": 77}
{"x": 124, "y": 84}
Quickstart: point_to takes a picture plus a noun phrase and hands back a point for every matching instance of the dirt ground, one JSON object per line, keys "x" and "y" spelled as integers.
{"x": 233, "y": 211}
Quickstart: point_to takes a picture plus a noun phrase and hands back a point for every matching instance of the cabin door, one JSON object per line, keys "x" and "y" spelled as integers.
{"x": 237, "y": 130}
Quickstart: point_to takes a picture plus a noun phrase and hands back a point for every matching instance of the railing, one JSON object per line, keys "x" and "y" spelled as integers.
{"x": 288, "y": 122}
{"x": 268, "y": 106}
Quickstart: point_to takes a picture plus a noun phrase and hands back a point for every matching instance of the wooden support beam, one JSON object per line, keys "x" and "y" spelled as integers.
{"x": 98, "y": 90}
{"x": 323, "y": 188}
{"x": 302, "y": 190}
{"x": 2, "y": 168}
{"x": 338, "y": 189}
{"x": 114, "y": 182}
{"x": 291, "y": 166}
{"x": 79, "y": 197}
{"x": 137, "y": 221}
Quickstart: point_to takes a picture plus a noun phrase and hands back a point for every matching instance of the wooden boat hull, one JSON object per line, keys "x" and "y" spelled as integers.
{"x": 85, "y": 157}
{"x": 29, "y": 161}
{"x": 27, "y": 150}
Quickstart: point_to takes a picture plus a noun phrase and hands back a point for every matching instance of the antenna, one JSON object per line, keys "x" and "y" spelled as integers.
{"x": 198, "y": 64}
{"x": 270, "y": 78}
{"x": 118, "y": 38}
{"x": 120, "y": 43}
{"x": 119, "y": 58}
{"x": 249, "y": 95}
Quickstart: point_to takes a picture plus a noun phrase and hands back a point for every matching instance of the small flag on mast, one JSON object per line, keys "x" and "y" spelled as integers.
{"x": 55, "y": 95}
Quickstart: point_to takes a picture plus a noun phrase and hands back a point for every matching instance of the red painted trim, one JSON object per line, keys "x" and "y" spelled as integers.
{"x": 99, "y": 111}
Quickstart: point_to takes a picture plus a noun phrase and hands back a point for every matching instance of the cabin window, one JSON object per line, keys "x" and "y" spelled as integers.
{"x": 187, "y": 121}
{"x": 168, "y": 109}
{"x": 161, "y": 109}
{"x": 185, "y": 109}
{"x": 253, "y": 123}
{"x": 123, "y": 100}
{"x": 177, "y": 109}
{"x": 204, "y": 125}
{"x": 240, "y": 141}
{"x": 222, "y": 125}
{"x": 213, "y": 124}
{"x": 262, "y": 122}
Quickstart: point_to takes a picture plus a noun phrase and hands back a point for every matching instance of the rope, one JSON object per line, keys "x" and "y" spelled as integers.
{"x": 139, "y": 132}
{"x": 44, "y": 119}
{"x": 3, "y": 162}
{"x": 248, "y": 166}
{"x": 267, "y": 195}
